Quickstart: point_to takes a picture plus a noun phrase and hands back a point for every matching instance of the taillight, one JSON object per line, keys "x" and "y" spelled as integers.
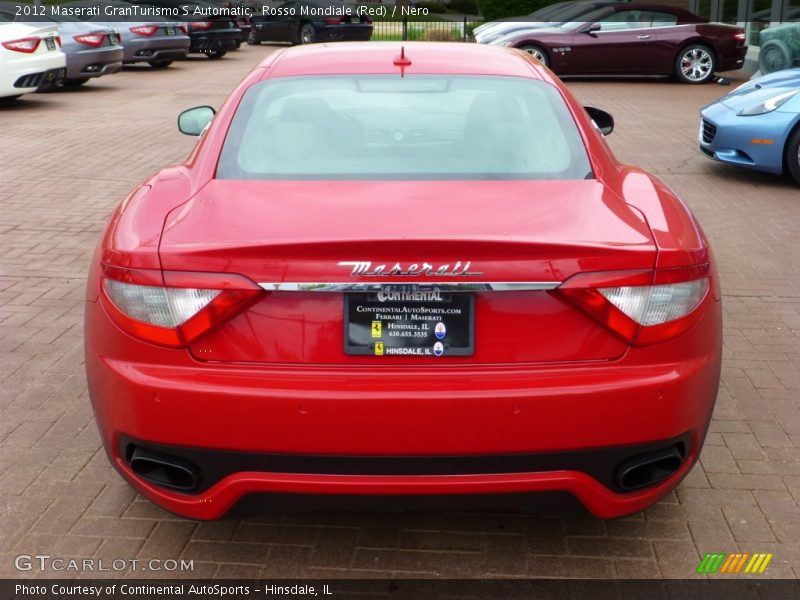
{"x": 641, "y": 307}
{"x": 740, "y": 36}
{"x": 173, "y": 308}
{"x": 91, "y": 39}
{"x": 184, "y": 28}
{"x": 58, "y": 41}
{"x": 333, "y": 20}
{"x": 144, "y": 29}
{"x": 200, "y": 25}
{"x": 27, "y": 45}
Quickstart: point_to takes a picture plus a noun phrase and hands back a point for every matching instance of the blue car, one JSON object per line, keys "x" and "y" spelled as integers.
{"x": 757, "y": 125}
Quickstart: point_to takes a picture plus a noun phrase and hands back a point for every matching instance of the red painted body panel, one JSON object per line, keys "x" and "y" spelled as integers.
{"x": 274, "y": 379}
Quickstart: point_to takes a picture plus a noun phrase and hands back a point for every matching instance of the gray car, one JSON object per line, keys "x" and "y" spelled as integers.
{"x": 91, "y": 49}
{"x": 156, "y": 43}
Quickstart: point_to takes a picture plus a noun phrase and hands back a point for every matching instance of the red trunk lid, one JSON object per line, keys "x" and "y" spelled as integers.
{"x": 510, "y": 231}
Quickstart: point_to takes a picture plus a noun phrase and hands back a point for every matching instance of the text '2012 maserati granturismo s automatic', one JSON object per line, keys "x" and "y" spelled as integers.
{"x": 402, "y": 271}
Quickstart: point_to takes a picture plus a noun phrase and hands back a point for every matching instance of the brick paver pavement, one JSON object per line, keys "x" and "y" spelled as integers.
{"x": 67, "y": 158}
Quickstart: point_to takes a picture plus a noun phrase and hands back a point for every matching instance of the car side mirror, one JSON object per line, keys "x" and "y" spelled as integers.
{"x": 195, "y": 120}
{"x": 592, "y": 28}
{"x": 603, "y": 120}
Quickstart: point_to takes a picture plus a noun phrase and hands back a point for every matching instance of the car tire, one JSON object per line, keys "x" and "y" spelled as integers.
{"x": 9, "y": 99}
{"x": 161, "y": 63}
{"x": 774, "y": 56}
{"x": 252, "y": 41}
{"x": 215, "y": 54}
{"x": 537, "y": 52}
{"x": 307, "y": 34}
{"x": 237, "y": 45}
{"x": 791, "y": 154}
{"x": 695, "y": 64}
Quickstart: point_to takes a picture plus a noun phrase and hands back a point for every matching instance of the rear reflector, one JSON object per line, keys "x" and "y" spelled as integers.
{"x": 641, "y": 307}
{"x": 173, "y": 308}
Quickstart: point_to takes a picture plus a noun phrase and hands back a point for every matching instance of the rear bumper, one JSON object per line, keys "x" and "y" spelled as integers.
{"x": 145, "y": 49}
{"x": 161, "y": 397}
{"x": 95, "y": 62}
{"x": 353, "y": 32}
{"x": 215, "y": 40}
{"x": 732, "y": 61}
{"x": 26, "y": 72}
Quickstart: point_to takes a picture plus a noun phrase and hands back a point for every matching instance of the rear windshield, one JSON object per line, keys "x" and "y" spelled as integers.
{"x": 403, "y": 128}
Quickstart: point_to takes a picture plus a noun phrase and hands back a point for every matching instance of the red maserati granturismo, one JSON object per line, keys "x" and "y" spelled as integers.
{"x": 400, "y": 271}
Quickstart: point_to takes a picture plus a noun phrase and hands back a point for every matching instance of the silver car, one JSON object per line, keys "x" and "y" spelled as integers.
{"x": 157, "y": 43}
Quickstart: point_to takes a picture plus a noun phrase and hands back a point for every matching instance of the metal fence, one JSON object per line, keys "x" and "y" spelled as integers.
{"x": 432, "y": 31}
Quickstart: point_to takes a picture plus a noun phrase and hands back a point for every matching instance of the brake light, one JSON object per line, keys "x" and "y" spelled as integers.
{"x": 641, "y": 307}
{"x": 58, "y": 41}
{"x": 740, "y": 36}
{"x": 200, "y": 25}
{"x": 173, "y": 308}
{"x": 333, "y": 20}
{"x": 91, "y": 39}
{"x": 147, "y": 30}
{"x": 26, "y": 45}
{"x": 184, "y": 28}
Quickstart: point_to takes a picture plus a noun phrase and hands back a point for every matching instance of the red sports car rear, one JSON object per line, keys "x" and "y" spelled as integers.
{"x": 402, "y": 271}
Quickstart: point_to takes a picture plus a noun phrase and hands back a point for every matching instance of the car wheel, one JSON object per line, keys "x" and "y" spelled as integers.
{"x": 214, "y": 54}
{"x": 537, "y": 53}
{"x": 9, "y": 99}
{"x": 774, "y": 56}
{"x": 791, "y": 154}
{"x": 252, "y": 41}
{"x": 237, "y": 44}
{"x": 160, "y": 63}
{"x": 308, "y": 33}
{"x": 695, "y": 64}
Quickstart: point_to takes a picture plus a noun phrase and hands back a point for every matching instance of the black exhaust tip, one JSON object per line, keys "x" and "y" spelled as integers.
{"x": 647, "y": 469}
{"x": 164, "y": 470}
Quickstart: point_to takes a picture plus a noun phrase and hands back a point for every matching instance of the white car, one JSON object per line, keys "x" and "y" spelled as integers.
{"x": 30, "y": 56}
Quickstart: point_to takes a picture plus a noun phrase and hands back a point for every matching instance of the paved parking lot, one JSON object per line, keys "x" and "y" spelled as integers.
{"x": 67, "y": 158}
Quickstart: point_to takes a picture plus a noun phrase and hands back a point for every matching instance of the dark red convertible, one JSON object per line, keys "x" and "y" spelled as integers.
{"x": 636, "y": 39}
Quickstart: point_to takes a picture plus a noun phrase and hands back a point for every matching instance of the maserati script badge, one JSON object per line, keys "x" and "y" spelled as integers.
{"x": 364, "y": 268}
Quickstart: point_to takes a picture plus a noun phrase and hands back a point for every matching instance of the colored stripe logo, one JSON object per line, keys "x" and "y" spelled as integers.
{"x": 734, "y": 563}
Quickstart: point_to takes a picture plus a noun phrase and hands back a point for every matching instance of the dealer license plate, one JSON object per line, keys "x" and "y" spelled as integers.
{"x": 50, "y": 43}
{"x": 170, "y": 31}
{"x": 409, "y": 320}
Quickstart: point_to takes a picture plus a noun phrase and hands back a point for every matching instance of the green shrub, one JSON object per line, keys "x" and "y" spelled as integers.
{"x": 433, "y": 7}
{"x": 465, "y": 7}
{"x": 500, "y": 9}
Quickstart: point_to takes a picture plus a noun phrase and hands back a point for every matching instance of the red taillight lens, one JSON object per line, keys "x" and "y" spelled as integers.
{"x": 740, "y": 36}
{"x": 58, "y": 41}
{"x": 642, "y": 307}
{"x": 26, "y": 45}
{"x": 333, "y": 20}
{"x": 200, "y": 25}
{"x": 144, "y": 29}
{"x": 91, "y": 39}
{"x": 184, "y": 28}
{"x": 173, "y": 308}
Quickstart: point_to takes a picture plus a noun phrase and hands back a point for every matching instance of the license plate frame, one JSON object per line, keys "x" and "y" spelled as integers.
{"x": 50, "y": 42}
{"x": 409, "y": 317}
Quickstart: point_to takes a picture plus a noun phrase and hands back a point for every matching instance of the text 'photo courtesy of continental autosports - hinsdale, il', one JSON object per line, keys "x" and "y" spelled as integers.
{"x": 441, "y": 281}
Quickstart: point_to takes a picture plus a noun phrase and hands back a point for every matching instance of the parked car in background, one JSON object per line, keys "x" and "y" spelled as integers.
{"x": 779, "y": 47}
{"x": 157, "y": 43}
{"x": 522, "y": 313}
{"x": 213, "y": 36}
{"x": 636, "y": 39}
{"x": 549, "y": 16}
{"x": 756, "y": 126}
{"x": 30, "y": 57}
{"x": 298, "y": 29}
{"x": 91, "y": 50}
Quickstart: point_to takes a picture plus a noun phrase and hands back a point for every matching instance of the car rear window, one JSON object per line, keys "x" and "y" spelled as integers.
{"x": 403, "y": 128}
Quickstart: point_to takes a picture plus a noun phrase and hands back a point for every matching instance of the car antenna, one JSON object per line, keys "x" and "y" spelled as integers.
{"x": 402, "y": 61}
